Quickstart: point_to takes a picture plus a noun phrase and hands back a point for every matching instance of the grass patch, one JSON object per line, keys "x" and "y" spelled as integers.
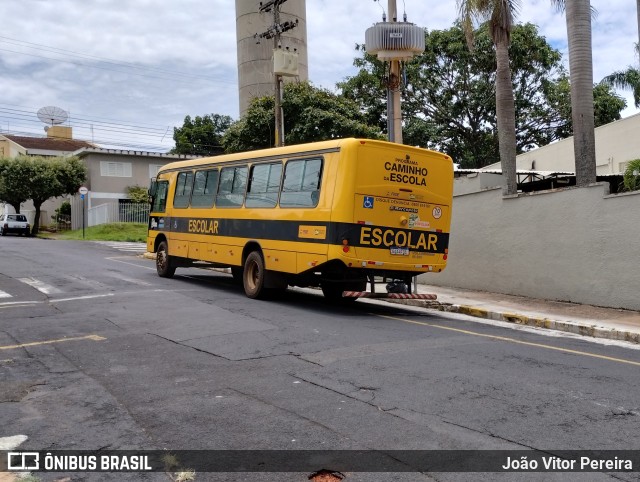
{"x": 132, "y": 232}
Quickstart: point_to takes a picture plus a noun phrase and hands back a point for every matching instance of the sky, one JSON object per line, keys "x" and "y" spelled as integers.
{"x": 128, "y": 72}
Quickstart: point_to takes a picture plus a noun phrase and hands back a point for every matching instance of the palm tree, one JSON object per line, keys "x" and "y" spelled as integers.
{"x": 578, "y": 15}
{"x": 630, "y": 78}
{"x": 499, "y": 15}
{"x": 638, "y": 15}
{"x": 626, "y": 79}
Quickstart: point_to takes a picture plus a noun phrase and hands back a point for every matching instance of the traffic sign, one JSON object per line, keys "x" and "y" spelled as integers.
{"x": 83, "y": 190}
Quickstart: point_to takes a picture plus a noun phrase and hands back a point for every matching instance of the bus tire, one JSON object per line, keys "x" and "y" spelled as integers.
{"x": 254, "y": 275}
{"x": 165, "y": 266}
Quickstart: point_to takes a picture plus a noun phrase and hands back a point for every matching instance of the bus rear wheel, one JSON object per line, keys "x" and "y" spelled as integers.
{"x": 254, "y": 275}
{"x": 165, "y": 265}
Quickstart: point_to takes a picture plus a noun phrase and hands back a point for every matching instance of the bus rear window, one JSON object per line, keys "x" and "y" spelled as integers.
{"x": 301, "y": 184}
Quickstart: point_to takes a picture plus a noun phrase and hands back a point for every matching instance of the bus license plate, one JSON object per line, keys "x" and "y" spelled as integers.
{"x": 399, "y": 251}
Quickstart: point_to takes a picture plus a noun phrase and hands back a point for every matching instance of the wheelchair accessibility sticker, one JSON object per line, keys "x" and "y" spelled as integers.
{"x": 367, "y": 203}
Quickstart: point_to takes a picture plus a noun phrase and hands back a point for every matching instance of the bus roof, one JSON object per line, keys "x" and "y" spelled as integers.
{"x": 278, "y": 151}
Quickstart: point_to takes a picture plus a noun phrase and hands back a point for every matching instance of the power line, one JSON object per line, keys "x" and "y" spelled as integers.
{"x": 118, "y": 63}
{"x": 78, "y": 121}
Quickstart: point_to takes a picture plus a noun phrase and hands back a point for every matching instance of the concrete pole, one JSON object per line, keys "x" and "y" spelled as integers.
{"x": 279, "y": 122}
{"x": 394, "y": 109}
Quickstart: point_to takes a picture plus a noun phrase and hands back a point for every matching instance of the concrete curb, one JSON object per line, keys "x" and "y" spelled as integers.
{"x": 578, "y": 328}
{"x": 575, "y": 327}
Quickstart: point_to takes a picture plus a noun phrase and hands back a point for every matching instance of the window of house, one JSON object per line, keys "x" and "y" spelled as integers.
{"x": 264, "y": 185}
{"x": 115, "y": 169}
{"x": 153, "y": 170}
{"x": 301, "y": 185}
{"x": 204, "y": 188}
{"x": 233, "y": 182}
{"x": 183, "y": 190}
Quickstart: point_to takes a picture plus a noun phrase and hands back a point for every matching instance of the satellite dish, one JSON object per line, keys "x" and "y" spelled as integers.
{"x": 52, "y": 115}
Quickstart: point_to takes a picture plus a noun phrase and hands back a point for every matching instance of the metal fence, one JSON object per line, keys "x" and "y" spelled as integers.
{"x": 110, "y": 212}
{"x": 118, "y": 213}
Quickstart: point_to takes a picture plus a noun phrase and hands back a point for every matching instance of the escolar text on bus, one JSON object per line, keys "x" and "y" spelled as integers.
{"x": 390, "y": 237}
{"x": 203, "y": 226}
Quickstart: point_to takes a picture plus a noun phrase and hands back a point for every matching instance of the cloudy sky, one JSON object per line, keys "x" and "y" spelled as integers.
{"x": 129, "y": 71}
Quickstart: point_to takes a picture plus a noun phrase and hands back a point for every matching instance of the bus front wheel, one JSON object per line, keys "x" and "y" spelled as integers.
{"x": 164, "y": 263}
{"x": 253, "y": 276}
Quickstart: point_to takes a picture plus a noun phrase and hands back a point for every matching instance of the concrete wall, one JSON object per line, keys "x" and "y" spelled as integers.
{"x": 575, "y": 244}
{"x": 617, "y": 143}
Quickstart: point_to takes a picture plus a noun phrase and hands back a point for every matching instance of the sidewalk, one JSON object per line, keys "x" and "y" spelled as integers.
{"x": 610, "y": 323}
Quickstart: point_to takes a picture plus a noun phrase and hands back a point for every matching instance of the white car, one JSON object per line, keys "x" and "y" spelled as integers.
{"x": 14, "y": 223}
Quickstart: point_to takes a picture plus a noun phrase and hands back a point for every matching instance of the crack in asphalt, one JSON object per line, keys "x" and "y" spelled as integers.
{"x": 261, "y": 357}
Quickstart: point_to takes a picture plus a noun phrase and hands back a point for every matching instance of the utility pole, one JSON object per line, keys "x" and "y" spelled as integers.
{"x": 394, "y": 109}
{"x": 279, "y": 117}
{"x": 274, "y": 32}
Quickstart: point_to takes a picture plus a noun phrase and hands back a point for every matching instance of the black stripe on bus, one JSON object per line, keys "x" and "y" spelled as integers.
{"x": 363, "y": 235}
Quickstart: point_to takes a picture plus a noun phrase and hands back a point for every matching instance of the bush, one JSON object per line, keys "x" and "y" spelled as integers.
{"x": 63, "y": 212}
{"x": 631, "y": 177}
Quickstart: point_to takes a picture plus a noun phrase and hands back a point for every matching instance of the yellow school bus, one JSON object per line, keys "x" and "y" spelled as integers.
{"x": 335, "y": 214}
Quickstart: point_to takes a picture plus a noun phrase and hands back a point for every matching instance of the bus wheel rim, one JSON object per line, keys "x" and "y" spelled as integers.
{"x": 162, "y": 259}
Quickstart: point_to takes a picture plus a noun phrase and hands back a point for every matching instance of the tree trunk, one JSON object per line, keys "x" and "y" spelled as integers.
{"x": 578, "y": 15}
{"x": 36, "y": 219}
{"x": 506, "y": 116}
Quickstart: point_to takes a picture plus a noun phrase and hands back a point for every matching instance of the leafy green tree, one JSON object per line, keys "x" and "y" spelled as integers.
{"x": 15, "y": 175}
{"x": 310, "y": 114}
{"x": 39, "y": 179}
{"x": 52, "y": 178}
{"x": 449, "y": 97}
{"x": 201, "y": 135}
{"x": 607, "y": 105}
{"x": 499, "y": 17}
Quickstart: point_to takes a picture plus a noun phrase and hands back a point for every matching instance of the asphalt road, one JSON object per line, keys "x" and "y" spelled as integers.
{"x": 113, "y": 357}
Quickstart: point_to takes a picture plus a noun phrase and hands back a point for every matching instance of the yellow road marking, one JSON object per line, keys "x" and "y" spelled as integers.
{"x": 513, "y": 340}
{"x": 59, "y": 340}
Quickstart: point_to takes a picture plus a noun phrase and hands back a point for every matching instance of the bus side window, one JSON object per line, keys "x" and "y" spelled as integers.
{"x": 233, "y": 183}
{"x": 204, "y": 188}
{"x": 183, "y": 190}
{"x": 160, "y": 197}
{"x": 264, "y": 186}
{"x": 301, "y": 186}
